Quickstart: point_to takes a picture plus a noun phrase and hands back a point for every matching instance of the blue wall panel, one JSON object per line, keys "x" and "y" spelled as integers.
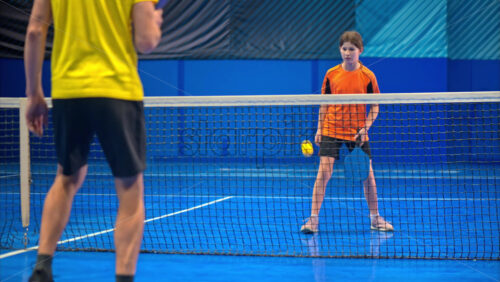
{"x": 251, "y": 77}
{"x": 160, "y": 77}
{"x": 12, "y": 78}
{"x": 473, "y": 75}
{"x": 409, "y": 75}
{"x": 247, "y": 77}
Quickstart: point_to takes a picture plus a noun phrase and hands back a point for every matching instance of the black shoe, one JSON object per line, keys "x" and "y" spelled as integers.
{"x": 41, "y": 275}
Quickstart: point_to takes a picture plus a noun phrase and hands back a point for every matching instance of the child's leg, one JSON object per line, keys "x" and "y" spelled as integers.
{"x": 370, "y": 189}
{"x": 324, "y": 175}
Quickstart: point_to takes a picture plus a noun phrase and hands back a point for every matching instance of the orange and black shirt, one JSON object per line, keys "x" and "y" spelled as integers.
{"x": 344, "y": 121}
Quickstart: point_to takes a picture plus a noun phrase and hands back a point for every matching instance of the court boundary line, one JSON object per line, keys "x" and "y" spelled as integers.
{"x": 9, "y": 176}
{"x": 6, "y": 255}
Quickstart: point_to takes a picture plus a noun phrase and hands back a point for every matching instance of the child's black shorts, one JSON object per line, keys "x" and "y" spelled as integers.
{"x": 330, "y": 147}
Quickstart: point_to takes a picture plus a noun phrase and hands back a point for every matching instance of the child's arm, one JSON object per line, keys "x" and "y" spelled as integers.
{"x": 370, "y": 119}
{"x": 321, "y": 119}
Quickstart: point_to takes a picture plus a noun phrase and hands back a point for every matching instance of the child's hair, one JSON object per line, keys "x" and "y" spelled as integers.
{"x": 352, "y": 37}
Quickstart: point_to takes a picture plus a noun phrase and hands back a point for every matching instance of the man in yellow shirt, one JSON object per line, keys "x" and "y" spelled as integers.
{"x": 96, "y": 90}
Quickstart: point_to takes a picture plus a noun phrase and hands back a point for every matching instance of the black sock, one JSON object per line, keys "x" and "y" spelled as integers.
{"x": 43, "y": 262}
{"x": 124, "y": 278}
{"x": 43, "y": 269}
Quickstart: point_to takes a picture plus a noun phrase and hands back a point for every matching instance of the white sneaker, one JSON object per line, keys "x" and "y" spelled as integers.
{"x": 311, "y": 225}
{"x": 378, "y": 223}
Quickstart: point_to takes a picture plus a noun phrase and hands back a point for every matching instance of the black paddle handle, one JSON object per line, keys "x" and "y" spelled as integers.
{"x": 358, "y": 140}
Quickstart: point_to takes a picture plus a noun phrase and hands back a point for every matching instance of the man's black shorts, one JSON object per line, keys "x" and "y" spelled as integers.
{"x": 118, "y": 124}
{"x": 330, "y": 147}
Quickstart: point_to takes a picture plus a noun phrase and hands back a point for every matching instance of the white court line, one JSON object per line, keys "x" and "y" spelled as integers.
{"x": 9, "y": 176}
{"x": 190, "y": 209}
{"x": 6, "y": 255}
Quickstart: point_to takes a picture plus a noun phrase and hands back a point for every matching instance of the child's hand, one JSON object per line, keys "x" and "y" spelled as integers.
{"x": 362, "y": 135}
{"x": 317, "y": 138}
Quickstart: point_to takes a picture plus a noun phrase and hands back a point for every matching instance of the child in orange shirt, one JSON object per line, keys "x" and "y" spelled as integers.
{"x": 344, "y": 124}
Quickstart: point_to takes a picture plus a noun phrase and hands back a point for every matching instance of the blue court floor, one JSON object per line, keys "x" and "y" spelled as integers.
{"x": 447, "y": 213}
{"x": 91, "y": 266}
{"x": 236, "y": 209}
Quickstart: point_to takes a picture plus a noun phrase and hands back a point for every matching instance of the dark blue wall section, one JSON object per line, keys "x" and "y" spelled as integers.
{"x": 12, "y": 78}
{"x": 473, "y": 75}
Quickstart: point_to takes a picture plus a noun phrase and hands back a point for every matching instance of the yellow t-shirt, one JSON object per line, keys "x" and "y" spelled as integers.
{"x": 93, "y": 53}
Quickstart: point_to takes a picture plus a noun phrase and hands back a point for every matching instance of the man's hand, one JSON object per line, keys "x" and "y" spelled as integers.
{"x": 37, "y": 114}
{"x": 158, "y": 17}
{"x": 147, "y": 26}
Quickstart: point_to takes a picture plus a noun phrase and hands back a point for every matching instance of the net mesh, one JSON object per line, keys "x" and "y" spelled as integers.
{"x": 232, "y": 179}
{"x": 10, "y": 210}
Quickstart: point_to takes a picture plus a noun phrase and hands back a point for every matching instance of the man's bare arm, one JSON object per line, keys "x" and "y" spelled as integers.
{"x": 147, "y": 26}
{"x": 34, "y": 50}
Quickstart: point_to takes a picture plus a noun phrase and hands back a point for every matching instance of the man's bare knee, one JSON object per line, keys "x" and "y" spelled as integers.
{"x": 129, "y": 182}
{"x": 71, "y": 183}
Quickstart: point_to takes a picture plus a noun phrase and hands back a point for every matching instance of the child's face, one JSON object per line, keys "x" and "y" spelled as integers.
{"x": 350, "y": 53}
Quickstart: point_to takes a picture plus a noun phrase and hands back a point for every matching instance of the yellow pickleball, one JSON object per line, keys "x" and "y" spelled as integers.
{"x": 307, "y": 148}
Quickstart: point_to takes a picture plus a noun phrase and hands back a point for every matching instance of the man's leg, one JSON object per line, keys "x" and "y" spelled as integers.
{"x": 129, "y": 223}
{"x": 55, "y": 216}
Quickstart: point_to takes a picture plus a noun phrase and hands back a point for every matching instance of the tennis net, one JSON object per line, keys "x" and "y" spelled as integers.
{"x": 226, "y": 175}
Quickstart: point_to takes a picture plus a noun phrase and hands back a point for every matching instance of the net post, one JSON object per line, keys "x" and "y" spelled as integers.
{"x": 24, "y": 161}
